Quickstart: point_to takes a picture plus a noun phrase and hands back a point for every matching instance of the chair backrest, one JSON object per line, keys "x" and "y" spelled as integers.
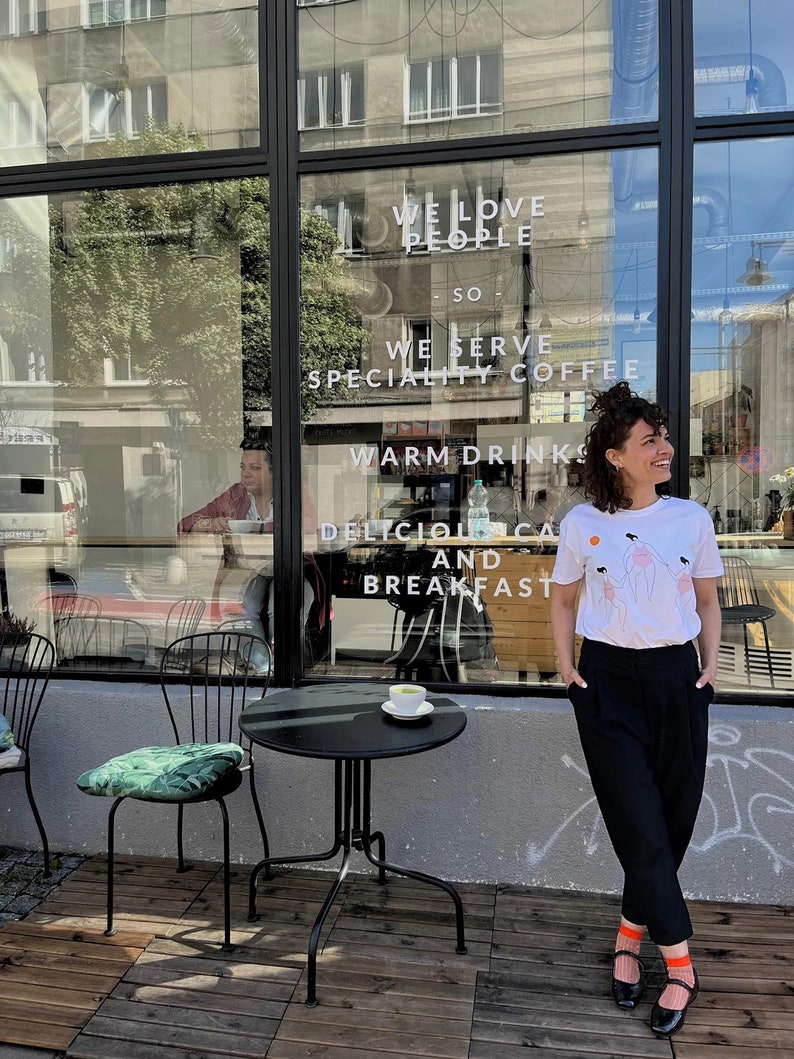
{"x": 183, "y": 618}
{"x": 205, "y": 680}
{"x": 101, "y": 640}
{"x": 74, "y": 606}
{"x": 25, "y": 666}
{"x": 61, "y": 582}
{"x": 736, "y": 587}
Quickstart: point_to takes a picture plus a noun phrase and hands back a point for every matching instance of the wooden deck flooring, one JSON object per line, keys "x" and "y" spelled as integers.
{"x": 390, "y": 984}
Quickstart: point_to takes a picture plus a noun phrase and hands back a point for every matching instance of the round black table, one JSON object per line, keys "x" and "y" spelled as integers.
{"x": 344, "y": 723}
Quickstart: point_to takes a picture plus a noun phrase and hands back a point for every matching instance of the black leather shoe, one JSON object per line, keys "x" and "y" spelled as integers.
{"x": 627, "y": 995}
{"x": 667, "y": 1021}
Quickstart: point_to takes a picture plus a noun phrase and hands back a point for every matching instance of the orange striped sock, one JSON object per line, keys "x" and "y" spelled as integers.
{"x": 626, "y": 969}
{"x": 673, "y": 996}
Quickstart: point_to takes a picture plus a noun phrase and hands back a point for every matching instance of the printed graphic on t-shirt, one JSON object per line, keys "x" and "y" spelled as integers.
{"x": 639, "y": 570}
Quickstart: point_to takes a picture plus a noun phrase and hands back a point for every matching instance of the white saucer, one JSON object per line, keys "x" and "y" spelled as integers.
{"x": 423, "y": 711}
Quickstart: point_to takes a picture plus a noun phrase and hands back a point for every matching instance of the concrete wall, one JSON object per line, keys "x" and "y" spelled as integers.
{"x": 509, "y": 801}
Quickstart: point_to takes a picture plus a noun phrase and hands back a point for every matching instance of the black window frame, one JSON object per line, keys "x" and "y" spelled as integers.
{"x": 280, "y": 158}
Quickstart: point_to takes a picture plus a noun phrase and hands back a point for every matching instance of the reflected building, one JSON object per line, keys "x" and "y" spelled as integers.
{"x": 487, "y": 232}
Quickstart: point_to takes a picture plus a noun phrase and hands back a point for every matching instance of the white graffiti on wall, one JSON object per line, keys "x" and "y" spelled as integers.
{"x": 762, "y": 819}
{"x": 723, "y": 816}
{"x": 536, "y": 853}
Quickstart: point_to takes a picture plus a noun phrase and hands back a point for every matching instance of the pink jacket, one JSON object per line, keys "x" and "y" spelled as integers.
{"x": 235, "y": 503}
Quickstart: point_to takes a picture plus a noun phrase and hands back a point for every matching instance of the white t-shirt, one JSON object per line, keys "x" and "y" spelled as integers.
{"x": 638, "y": 568}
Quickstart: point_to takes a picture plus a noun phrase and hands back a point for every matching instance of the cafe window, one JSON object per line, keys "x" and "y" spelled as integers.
{"x": 472, "y": 212}
{"x": 456, "y": 87}
{"x": 331, "y": 97}
{"x": 21, "y": 122}
{"x": 742, "y": 393}
{"x": 18, "y": 17}
{"x": 480, "y": 351}
{"x": 125, "y": 111}
{"x": 111, "y": 12}
{"x": 456, "y": 308}
{"x": 346, "y": 217}
{"x": 193, "y": 72}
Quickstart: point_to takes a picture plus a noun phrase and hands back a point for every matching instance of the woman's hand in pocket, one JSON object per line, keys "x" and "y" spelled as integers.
{"x": 573, "y": 676}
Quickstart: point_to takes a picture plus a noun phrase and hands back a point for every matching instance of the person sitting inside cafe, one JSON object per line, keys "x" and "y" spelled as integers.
{"x": 251, "y": 499}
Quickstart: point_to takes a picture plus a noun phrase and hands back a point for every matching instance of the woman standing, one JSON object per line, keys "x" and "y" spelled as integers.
{"x": 639, "y": 694}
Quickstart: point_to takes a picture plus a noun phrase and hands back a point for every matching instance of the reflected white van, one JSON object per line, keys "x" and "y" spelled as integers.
{"x": 42, "y": 508}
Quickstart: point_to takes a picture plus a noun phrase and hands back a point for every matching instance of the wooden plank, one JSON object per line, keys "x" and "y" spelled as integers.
{"x": 591, "y": 1038}
{"x": 396, "y": 988}
{"x": 684, "y": 1050}
{"x": 22, "y": 927}
{"x": 748, "y": 1003}
{"x": 439, "y": 937}
{"x": 390, "y": 1023}
{"x": 738, "y": 1037}
{"x": 291, "y": 1050}
{"x": 53, "y": 970}
{"x": 275, "y": 980}
{"x": 193, "y": 1018}
{"x": 190, "y": 999}
{"x": 88, "y": 950}
{"x": 430, "y": 969}
{"x": 54, "y": 978}
{"x": 85, "y": 1046}
{"x": 41, "y": 1012}
{"x": 194, "y": 1039}
{"x": 35, "y": 1035}
{"x": 113, "y": 955}
{"x": 397, "y": 1001}
{"x": 106, "y": 970}
{"x": 412, "y": 954}
{"x": 291, "y": 951}
{"x": 440, "y": 924}
{"x": 487, "y": 1050}
{"x": 405, "y": 1044}
{"x": 34, "y": 992}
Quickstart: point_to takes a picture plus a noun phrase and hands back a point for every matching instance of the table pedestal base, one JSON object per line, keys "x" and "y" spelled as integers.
{"x": 352, "y": 829}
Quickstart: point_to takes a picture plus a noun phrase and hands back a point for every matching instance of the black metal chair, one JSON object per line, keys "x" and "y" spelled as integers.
{"x": 72, "y": 622}
{"x": 183, "y": 618}
{"x": 103, "y": 641}
{"x": 26, "y": 663}
{"x": 205, "y": 679}
{"x": 740, "y": 605}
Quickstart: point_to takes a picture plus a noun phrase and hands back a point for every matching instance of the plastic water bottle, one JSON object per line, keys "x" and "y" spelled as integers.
{"x": 479, "y": 516}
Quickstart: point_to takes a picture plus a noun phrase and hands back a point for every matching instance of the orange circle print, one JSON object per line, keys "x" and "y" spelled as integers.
{"x": 595, "y": 540}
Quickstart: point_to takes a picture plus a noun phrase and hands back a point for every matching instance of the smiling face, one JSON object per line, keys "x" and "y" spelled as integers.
{"x": 643, "y": 461}
{"x": 255, "y": 473}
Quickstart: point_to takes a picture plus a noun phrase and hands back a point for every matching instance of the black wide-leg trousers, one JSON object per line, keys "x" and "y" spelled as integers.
{"x": 644, "y": 731}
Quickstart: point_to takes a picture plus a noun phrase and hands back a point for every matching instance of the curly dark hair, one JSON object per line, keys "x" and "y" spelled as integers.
{"x": 617, "y": 410}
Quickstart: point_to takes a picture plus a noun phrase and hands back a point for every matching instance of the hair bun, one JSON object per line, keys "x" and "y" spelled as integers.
{"x": 605, "y": 400}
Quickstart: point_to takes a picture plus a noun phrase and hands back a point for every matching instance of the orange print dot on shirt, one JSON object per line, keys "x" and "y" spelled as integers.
{"x": 595, "y": 540}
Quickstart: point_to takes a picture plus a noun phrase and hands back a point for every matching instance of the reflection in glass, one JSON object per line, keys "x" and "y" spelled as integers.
{"x": 477, "y": 318}
{"x": 742, "y": 387}
{"x": 743, "y": 51}
{"x": 84, "y": 82}
{"x": 378, "y": 71}
{"x": 134, "y": 358}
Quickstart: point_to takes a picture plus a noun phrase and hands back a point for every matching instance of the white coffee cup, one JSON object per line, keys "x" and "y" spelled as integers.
{"x": 240, "y": 525}
{"x": 406, "y": 698}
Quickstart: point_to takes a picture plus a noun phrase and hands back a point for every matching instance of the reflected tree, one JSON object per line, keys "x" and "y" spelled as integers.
{"x": 171, "y": 284}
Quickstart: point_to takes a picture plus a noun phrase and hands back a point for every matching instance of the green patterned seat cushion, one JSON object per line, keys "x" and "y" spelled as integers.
{"x": 163, "y": 773}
